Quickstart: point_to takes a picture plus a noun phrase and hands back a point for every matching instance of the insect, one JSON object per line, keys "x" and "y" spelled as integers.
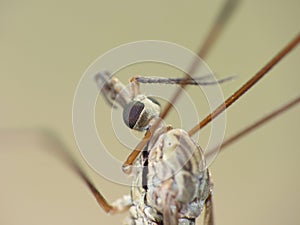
{"x": 237, "y": 171}
{"x": 171, "y": 184}
{"x": 160, "y": 195}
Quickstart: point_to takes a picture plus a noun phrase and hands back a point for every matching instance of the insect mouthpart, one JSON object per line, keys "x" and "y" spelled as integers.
{"x": 140, "y": 111}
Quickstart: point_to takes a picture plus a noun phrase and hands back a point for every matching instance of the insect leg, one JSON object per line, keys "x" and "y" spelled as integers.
{"x": 249, "y": 84}
{"x": 54, "y": 142}
{"x": 254, "y": 126}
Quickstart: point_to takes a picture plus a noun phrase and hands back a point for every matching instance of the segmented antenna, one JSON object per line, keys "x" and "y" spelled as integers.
{"x": 190, "y": 81}
{"x": 214, "y": 33}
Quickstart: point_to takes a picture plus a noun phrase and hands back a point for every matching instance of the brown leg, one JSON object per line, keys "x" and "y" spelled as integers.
{"x": 55, "y": 143}
{"x": 120, "y": 205}
{"x": 208, "y": 214}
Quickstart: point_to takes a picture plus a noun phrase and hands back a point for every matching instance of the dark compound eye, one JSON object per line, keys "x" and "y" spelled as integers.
{"x": 132, "y": 113}
{"x": 154, "y": 100}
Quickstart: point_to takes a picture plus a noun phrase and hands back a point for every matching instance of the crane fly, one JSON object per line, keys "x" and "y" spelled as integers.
{"x": 79, "y": 171}
{"x": 162, "y": 194}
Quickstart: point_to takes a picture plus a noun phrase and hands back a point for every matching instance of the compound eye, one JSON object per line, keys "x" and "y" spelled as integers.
{"x": 153, "y": 100}
{"x": 132, "y": 112}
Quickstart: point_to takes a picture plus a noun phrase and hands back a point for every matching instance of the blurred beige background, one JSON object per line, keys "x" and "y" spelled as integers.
{"x": 47, "y": 45}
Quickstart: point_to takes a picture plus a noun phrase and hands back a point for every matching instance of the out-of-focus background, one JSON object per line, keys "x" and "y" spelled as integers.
{"x": 47, "y": 45}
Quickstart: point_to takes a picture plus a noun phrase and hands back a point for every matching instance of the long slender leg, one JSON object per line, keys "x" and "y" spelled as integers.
{"x": 118, "y": 206}
{"x": 250, "y": 83}
{"x": 254, "y": 125}
{"x": 211, "y": 38}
